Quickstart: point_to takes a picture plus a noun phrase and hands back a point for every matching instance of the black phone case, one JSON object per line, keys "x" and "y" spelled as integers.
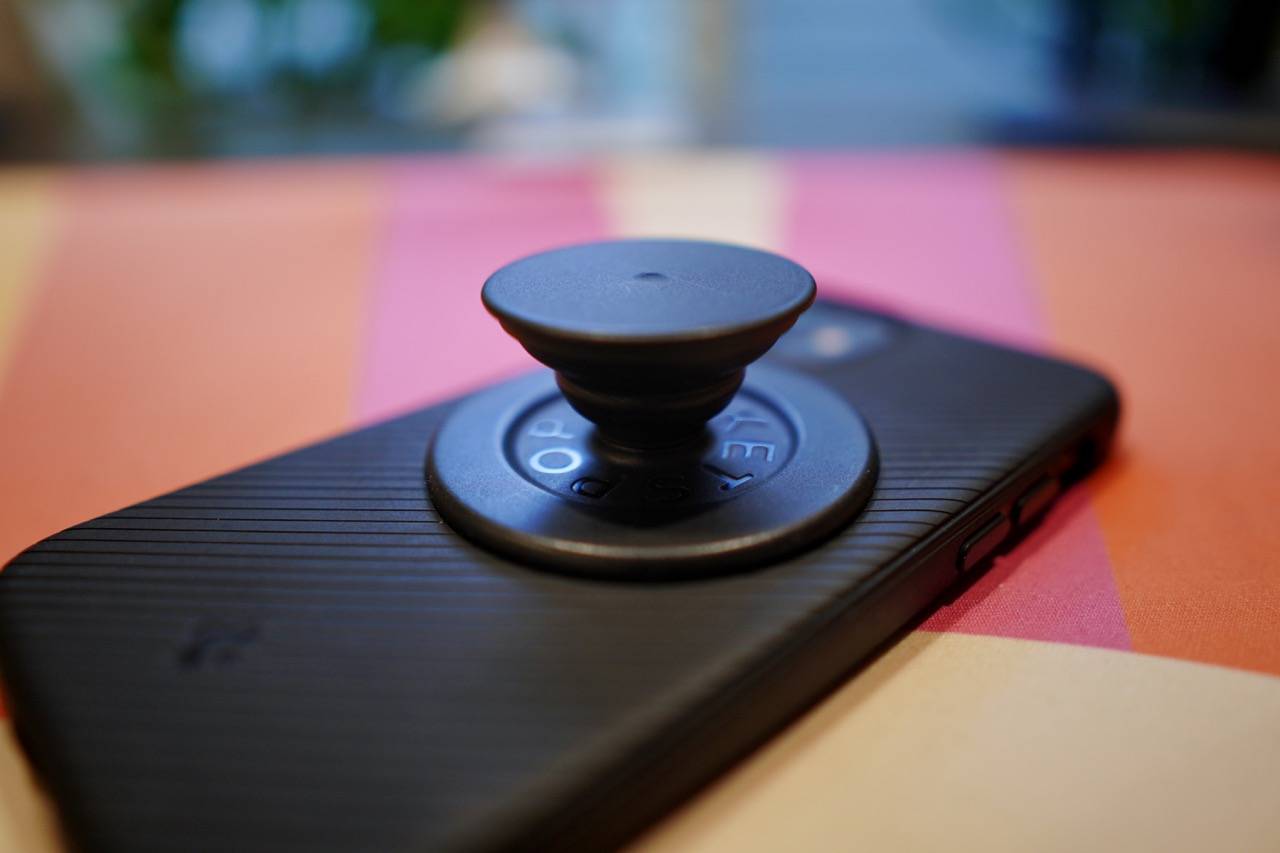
{"x": 300, "y": 655}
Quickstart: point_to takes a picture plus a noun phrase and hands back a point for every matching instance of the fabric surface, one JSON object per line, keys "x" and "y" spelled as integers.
{"x": 1110, "y": 683}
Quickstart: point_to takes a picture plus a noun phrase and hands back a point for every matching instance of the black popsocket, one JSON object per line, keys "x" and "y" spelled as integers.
{"x": 646, "y": 455}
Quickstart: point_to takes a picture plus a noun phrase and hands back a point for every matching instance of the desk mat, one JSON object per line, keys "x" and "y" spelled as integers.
{"x": 1110, "y": 681}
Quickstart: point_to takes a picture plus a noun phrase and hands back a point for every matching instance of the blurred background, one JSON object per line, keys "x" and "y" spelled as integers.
{"x": 128, "y": 79}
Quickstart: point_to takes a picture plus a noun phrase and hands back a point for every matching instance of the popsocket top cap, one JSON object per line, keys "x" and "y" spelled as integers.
{"x": 649, "y": 338}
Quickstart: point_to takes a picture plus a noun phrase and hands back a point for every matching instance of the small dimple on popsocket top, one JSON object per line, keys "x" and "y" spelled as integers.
{"x": 645, "y": 455}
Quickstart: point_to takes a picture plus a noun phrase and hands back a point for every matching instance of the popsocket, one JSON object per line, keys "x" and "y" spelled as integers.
{"x": 645, "y": 454}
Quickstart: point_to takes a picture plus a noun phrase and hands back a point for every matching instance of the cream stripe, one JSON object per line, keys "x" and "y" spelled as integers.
{"x": 27, "y": 821}
{"x": 730, "y": 196}
{"x": 958, "y": 742}
{"x": 26, "y": 213}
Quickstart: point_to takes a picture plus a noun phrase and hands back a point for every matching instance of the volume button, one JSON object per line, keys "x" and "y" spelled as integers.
{"x": 1035, "y": 500}
{"x": 982, "y": 543}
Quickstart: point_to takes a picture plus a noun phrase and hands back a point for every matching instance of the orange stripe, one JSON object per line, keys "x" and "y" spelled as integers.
{"x": 1163, "y": 271}
{"x": 189, "y": 320}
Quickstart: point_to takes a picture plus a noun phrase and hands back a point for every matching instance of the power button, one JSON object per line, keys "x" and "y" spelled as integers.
{"x": 982, "y": 543}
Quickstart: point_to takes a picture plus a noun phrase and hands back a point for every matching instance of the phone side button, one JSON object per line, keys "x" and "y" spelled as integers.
{"x": 1035, "y": 500}
{"x": 982, "y": 543}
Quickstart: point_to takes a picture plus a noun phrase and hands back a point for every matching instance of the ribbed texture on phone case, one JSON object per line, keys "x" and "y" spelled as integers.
{"x": 301, "y": 656}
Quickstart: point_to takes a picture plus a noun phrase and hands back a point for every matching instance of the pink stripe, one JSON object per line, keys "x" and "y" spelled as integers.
{"x": 453, "y": 222}
{"x": 925, "y": 235}
{"x": 1056, "y": 585}
{"x": 931, "y": 236}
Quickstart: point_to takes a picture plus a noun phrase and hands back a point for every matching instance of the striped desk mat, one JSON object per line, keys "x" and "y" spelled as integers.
{"x": 1109, "y": 683}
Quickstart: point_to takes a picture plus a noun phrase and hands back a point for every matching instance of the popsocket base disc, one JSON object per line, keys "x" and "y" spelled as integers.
{"x": 782, "y": 467}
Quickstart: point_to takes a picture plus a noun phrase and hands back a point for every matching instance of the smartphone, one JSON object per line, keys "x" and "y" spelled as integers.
{"x": 302, "y": 655}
